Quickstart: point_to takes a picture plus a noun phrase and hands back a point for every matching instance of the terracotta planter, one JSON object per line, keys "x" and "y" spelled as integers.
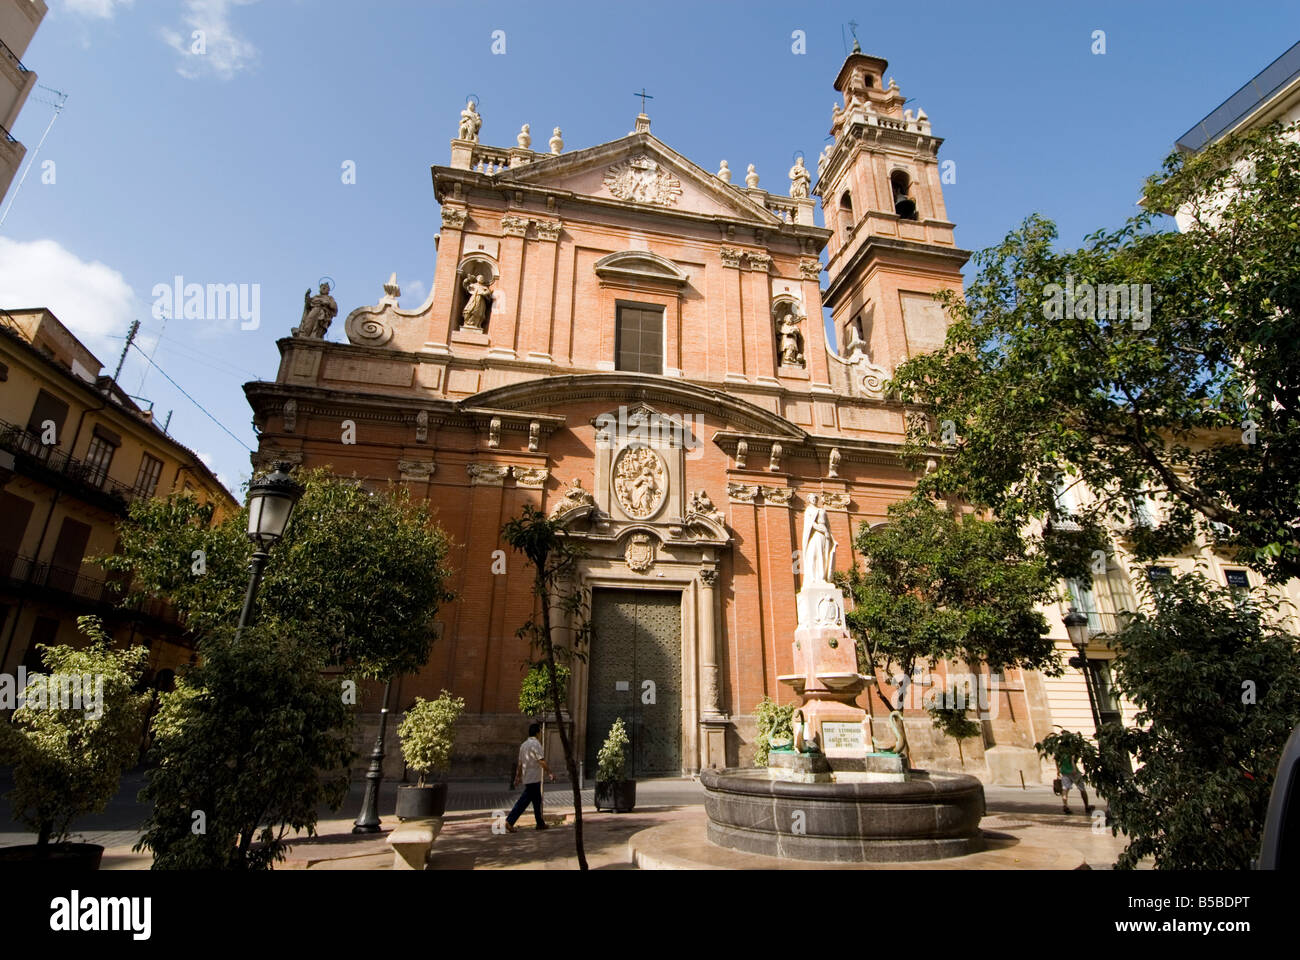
{"x": 616, "y": 795}
{"x": 419, "y": 803}
{"x": 55, "y": 858}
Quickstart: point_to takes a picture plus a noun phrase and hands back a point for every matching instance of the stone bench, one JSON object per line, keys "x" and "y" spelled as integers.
{"x": 412, "y": 843}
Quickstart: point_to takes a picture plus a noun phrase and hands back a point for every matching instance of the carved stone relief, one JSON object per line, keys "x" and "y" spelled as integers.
{"x": 640, "y": 481}
{"x": 641, "y": 179}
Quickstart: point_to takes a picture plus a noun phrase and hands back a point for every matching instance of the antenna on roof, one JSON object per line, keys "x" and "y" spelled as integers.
{"x": 130, "y": 338}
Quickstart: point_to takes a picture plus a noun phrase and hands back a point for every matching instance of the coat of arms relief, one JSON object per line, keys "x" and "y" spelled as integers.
{"x": 641, "y": 180}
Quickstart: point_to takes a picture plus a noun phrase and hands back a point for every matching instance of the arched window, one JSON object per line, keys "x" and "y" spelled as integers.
{"x": 846, "y": 212}
{"x": 904, "y": 205}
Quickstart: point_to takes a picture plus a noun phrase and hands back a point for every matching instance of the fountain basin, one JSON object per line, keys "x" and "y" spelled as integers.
{"x": 929, "y": 816}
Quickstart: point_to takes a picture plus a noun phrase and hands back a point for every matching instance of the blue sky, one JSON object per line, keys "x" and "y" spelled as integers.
{"x": 227, "y": 167}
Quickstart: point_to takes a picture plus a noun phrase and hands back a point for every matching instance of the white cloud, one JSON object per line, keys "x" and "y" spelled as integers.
{"x": 96, "y": 9}
{"x": 209, "y": 44}
{"x": 414, "y": 293}
{"x": 93, "y": 300}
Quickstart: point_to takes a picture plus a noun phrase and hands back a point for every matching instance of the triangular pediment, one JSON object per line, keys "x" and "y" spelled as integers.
{"x": 642, "y": 171}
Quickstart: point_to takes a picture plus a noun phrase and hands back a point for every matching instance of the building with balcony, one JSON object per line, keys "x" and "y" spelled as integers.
{"x": 75, "y": 451}
{"x": 18, "y": 22}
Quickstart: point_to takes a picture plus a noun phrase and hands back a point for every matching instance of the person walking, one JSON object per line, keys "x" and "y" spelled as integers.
{"x": 528, "y": 771}
{"x": 1072, "y": 777}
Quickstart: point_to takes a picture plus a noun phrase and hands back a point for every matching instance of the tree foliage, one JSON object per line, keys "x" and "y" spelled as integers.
{"x": 362, "y": 573}
{"x": 1218, "y": 693}
{"x": 773, "y": 721}
{"x": 555, "y": 564}
{"x": 935, "y": 584}
{"x": 68, "y": 761}
{"x": 1195, "y": 403}
{"x": 428, "y": 733}
{"x": 535, "y": 696}
{"x": 252, "y": 740}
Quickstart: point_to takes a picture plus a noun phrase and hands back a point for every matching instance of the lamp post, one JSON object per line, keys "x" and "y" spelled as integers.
{"x": 1076, "y": 627}
{"x": 368, "y": 820}
{"x": 271, "y": 500}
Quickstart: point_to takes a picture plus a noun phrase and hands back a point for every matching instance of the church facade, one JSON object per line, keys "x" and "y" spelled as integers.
{"x": 636, "y": 346}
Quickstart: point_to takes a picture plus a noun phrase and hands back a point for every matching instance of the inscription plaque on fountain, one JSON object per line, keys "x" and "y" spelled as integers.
{"x": 842, "y": 739}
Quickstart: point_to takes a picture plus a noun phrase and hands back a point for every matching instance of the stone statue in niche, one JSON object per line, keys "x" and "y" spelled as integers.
{"x": 791, "y": 336}
{"x": 479, "y": 291}
{"x": 470, "y": 121}
{"x": 317, "y": 313}
{"x": 800, "y": 180}
{"x": 818, "y": 545}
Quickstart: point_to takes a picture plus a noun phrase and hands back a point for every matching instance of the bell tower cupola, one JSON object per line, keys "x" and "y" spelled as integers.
{"x": 891, "y": 245}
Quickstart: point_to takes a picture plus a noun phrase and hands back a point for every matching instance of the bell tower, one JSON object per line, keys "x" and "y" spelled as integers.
{"x": 891, "y": 245}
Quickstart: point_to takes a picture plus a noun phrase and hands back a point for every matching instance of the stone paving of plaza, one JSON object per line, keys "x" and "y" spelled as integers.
{"x": 1025, "y": 829}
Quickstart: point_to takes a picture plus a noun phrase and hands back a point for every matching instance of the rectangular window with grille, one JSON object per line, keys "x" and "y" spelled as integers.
{"x": 639, "y": 340}
{"x": 146, "y": 481}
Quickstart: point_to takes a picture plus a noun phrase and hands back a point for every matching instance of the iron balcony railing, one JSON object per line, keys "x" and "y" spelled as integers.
{"x": 89, "y": 476}
{"x": 12, "y": 57}
{"x": 86, "y": 584}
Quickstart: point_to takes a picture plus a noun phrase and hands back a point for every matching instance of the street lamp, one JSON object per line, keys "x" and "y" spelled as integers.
{"x": 271, "y": 500}
{"x": 1076, "y": 628}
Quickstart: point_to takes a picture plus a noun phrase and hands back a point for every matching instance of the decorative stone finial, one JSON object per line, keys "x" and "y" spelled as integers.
{"x": 824, "y": 159}
{"x": 525, "y": 138}
{"x": 557, "y": 141}
{"x": 751, "y": 178}
{"x": 724, "y": 172}
{"x": 391, "y": 290}
{"x": 642, "y": 123}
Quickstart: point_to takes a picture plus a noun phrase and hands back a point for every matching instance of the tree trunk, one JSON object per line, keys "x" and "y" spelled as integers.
{"x": 43, "y": 836}
{"x": 564, "y": 735}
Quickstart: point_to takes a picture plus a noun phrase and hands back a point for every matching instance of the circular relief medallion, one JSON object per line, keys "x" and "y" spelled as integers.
{"x": 640, "y": 482}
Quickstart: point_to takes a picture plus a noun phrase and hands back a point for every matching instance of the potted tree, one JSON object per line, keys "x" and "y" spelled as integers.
{"x": 428, "y": 732}
{"x": 613, "y": 790}
{"x": 76, "y": 731}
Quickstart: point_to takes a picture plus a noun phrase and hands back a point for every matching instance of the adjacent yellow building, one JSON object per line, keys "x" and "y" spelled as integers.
{"x": 75, "y": 451}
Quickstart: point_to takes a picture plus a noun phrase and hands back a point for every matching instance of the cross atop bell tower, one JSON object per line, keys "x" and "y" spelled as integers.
{"x": 891, "y": 242}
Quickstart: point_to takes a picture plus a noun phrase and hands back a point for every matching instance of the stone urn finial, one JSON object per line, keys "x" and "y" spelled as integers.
{"x": 751, "y": 178}
{"x": 525, "y": 138}
{"x": 724, "y": 172}
{"x": 557, "y": 141}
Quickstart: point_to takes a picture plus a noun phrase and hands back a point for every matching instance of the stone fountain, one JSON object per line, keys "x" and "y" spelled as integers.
{"x": 829, "y": 794}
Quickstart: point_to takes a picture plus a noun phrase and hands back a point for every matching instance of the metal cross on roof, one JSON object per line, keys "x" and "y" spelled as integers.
{"x": 644, "y": 97}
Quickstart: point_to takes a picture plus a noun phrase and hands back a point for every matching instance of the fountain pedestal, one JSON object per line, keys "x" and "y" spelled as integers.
{"x": 826, "y": 674}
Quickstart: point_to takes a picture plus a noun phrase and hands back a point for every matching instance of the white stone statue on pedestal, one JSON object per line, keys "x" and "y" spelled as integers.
{"x": 818, "y": 544}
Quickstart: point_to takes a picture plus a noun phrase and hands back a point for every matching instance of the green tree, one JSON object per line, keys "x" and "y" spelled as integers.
{"x": 935, "y": 584}
{"x": 362, "y": 573}
{"x": 356, "y": 581}
{"x": 1218, "y": 692}
{"x": 252, "y": 740}
{"x": 772, "y": 721}
{"x": 428, "y": 733}
{"x": 1194, "y": 402}
{"x": 554, "y": 560}
{"x": 68, "y": 757}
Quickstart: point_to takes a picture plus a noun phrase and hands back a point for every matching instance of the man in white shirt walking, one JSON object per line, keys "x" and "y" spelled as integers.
{"x": 528, "y": 771}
